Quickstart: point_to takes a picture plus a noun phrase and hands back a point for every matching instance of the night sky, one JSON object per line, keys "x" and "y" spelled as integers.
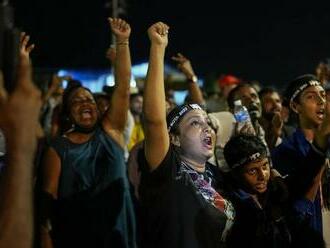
{"x": 271, "y": 42}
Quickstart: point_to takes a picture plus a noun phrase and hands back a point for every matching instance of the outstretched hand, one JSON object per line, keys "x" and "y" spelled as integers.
{"x": 158, "y": 33}
{"x": 120, "y": 28}
{"x": 24, "y": 48}
{"x": 247, "y": 129}
{"x": 57, "y": 81}
{"x": 277, "y": 124}
{"x": 184, "y": 65}
{"x": 19, "y": 118}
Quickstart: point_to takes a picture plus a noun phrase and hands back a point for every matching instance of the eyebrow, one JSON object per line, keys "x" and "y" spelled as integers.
{"x": 266, "y": 162}
{"x": 313, "y": 92}
{"x": 256, "y": 166}
{"x": 82, "y": 97}
{"x": 197, "y": 116}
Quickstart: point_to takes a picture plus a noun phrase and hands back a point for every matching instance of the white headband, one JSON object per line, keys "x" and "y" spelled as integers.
{"x": 304, "y": 86}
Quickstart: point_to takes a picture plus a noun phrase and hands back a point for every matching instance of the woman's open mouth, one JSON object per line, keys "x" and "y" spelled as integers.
{"x": 208, "y": 143}
{"x": 320, "y": 114}
{"x": 86, "y": 113}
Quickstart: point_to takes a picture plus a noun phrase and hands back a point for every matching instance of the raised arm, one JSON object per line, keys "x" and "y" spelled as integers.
{"x": 321, "y": 140}
{"x": 55, "y": 84}
{"x": 19, "y": 114}
{"x": 185, "y": 67}
{"x": 156, "y": 136}
{"x": 115, "y": 118}
{"x": 274, "y": 131}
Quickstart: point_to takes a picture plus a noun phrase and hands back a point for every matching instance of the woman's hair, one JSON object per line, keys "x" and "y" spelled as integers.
{"x": 242, "y": 149}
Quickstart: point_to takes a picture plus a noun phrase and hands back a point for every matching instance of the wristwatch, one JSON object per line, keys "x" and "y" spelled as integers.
{"x": 193, "y": 79}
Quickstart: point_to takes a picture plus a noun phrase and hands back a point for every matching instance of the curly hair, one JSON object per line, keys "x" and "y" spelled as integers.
{"x": 65, "y": 122}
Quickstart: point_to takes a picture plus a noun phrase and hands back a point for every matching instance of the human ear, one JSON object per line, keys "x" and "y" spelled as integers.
{"x": 175, "y": 140}
{"x": 294, "y": 107}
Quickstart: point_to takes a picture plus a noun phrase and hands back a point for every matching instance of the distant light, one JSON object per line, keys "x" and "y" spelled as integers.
{"x": 62, "y": 73}
{"x": 96, "y": 79}
{"x": 180, "y": 96}
{"x": 200, "y": 82}
{"x": 133, "y": 82}
{"x": 140, "y": 70}
{"x": 110, "y": 80}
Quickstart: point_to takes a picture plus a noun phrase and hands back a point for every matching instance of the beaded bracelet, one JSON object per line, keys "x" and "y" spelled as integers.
{"x": 122, "y": 43}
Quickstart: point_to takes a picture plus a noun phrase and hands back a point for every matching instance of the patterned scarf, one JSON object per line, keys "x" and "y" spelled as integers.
{"x": 203, "y": 183}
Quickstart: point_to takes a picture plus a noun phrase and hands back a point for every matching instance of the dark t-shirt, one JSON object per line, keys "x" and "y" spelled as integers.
{"x": 260, "y": 227}
{"x": 94, "y": 207}
{"x": 296, "y": 158}
{"x": 174, "y": 211}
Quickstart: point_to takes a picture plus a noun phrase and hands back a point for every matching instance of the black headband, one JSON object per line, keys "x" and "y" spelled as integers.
{"x": 176, "y": 114}
{"x": 302, "y": 87}
{"x": 246, "y": 160}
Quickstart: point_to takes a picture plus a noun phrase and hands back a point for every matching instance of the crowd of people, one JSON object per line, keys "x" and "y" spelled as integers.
{"x": 122, "y": 169}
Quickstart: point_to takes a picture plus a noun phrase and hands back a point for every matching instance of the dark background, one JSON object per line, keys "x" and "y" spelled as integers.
{"x": 271, "y": 42}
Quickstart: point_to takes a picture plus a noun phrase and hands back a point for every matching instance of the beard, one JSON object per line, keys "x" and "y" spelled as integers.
{"x": 254, "y": 111}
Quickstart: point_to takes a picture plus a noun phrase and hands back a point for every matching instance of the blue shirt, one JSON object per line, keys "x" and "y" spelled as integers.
{"x": 297, "y": 159}
{"x": 94, "y": 206}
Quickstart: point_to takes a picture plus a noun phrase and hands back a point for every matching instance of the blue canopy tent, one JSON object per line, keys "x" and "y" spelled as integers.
{"x": 95, "y": 79}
